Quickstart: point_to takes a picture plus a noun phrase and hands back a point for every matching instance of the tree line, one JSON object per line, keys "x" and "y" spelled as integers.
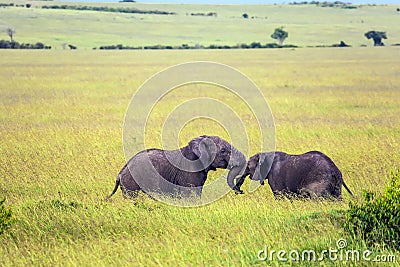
{"x": 279, "y": 34}
{"x": 15, "y": 45}
{"x": 252, "y": 45}
{"x": 108, "y": 9}
{"x": 326, "y": 4}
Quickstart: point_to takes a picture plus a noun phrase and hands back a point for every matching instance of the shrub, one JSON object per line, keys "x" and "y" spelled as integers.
{"x": 15, "y": 45}
{"x": 255, "y": 45}
{"x": 6, "y": 218}
{"x": 108, "y": 9}
{"x": 377, "y": 219}
{"x": 272, "y": 45}
{"x": 39, "y": 45}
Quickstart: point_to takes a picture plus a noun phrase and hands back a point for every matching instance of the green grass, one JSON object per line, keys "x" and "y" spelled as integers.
{"x": 61, "y": 118}
{"x": 307, "y": 25}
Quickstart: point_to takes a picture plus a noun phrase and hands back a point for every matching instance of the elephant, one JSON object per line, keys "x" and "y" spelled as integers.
{"x": 312, "y": 174}
{"x": 181, "y": 172}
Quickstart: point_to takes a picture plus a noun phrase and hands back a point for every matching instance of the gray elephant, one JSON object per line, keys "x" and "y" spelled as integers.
{"x": 312, "y": 174}
{"x": 180, "y": 172}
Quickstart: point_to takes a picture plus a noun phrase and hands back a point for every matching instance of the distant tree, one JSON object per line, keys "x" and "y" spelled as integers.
{"x": 39, "y": 45}
{"x": 245, "y": 16}
{"x": 376, "y": 36}
{"x": 10, "y": 33}
{"x": 255, "y": 45}
{"x": 280, "y": 34}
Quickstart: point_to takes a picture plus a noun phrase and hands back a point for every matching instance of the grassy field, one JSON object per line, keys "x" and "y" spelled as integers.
{"x": 61, "y": 117}
{"x": 307, "y": 25}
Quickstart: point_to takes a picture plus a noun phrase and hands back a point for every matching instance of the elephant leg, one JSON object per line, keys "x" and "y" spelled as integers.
{"x": 337, "y": 192}
{"x": 279, "y": 195}
{"x": 198, "y": 190}
{"x": 126, "y": 193}
{"x": 305, "y": 193}
{"x": 318, "y": 190}
{"x": 129, "y": 187}
{"x": 239, "y": 183}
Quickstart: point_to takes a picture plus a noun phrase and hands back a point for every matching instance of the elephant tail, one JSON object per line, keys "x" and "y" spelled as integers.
{"x": 348, "y": 190}
{"x": 117, "y": 182}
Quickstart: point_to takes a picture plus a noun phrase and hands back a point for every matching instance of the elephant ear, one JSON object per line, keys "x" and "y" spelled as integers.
{"x": 253, "y": 164}
{"x": 204, "y": 148}
{"x": 263, "y": 167}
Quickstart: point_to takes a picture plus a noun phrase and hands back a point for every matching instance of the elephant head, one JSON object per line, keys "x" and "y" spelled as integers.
{"x": 214, "y": 152}
{"x": 258, "y": 166}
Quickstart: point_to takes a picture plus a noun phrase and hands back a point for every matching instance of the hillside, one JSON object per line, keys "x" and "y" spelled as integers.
{"x": 308, "y": 25}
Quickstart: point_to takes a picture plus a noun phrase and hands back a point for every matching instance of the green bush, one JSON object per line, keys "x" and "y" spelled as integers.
{"x": 15, "y": 45}
{"x": 377, "y": 219}
{"x": 108, "y": 9}
{"x": 6, "y": 218}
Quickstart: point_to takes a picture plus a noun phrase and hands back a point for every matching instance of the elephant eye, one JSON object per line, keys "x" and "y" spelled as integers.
{"x": 223, "y": 150}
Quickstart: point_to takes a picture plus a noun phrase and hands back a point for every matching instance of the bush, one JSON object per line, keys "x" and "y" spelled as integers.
{"x": 255, "y": 45}
{"x": 377, "y": 219}
{"x": 108, "y": 9}
{"x": 272, "y": 45}
{"x": 15, "y": 45}
{"x": 6, "y": 218}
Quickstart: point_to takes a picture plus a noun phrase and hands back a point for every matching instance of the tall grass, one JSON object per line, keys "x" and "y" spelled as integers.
{"x": 61, "y": 118}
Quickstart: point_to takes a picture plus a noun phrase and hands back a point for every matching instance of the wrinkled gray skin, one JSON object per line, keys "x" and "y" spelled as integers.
{"x": 312, "y": 174}
{"x": 180, "y": 172}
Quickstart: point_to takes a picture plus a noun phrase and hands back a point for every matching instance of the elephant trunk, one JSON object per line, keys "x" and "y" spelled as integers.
{"x": 237, "y": 166}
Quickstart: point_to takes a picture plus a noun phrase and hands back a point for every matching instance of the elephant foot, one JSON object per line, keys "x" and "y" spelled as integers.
{"x": 237, "y": 190}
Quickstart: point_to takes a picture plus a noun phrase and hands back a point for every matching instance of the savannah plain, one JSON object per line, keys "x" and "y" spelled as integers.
{"x": 62, "y": 112}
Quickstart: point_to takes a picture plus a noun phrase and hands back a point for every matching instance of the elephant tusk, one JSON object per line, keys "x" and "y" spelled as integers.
{"x": 238, "y": 176}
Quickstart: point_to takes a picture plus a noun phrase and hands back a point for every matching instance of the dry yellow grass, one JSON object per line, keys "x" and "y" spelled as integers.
{"x": 61, "y": 118}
